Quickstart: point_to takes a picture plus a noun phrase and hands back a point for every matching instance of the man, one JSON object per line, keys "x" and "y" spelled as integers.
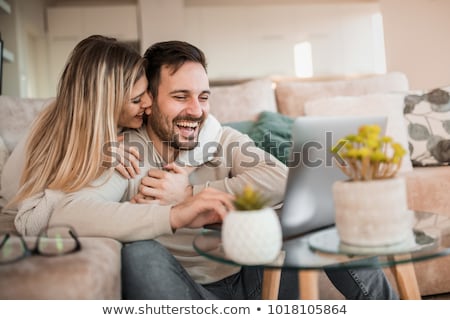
{"x": 179, "y": 90}
{"x": 224, "y": 159}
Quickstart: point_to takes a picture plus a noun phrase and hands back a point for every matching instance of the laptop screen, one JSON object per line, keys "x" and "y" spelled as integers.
{"x": 308, "y": 203}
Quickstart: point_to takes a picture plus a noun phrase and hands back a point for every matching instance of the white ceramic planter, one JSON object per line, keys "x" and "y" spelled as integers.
{"x": 252, "y": 237}
{"x": 372, "y": 213}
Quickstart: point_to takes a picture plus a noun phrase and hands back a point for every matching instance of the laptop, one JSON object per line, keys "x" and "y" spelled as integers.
{"x": 308, "y": 203}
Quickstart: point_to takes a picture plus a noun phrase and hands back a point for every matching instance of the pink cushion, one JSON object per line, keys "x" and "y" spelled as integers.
{"x": 242, "y": 101}
{"x": 291, "y": 96}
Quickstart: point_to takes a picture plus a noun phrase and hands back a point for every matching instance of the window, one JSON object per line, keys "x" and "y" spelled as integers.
{"x": 303, "y": 60}
{"x": 379, "y": 55}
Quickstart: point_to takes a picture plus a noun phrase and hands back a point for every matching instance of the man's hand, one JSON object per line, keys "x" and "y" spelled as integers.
{"x": 168, "y": 186}
{"x": 208, "y": 206}
{"x": 128, "y": 158}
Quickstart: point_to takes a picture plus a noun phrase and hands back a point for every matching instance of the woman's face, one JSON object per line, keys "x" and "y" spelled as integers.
{"x": 132, "y": 113}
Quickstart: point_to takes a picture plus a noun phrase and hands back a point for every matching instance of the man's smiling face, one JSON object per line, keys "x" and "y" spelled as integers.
{"x": 181, "y": 106}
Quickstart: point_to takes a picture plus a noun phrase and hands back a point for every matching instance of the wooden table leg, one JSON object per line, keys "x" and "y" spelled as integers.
{"x": 271, "y": 284}
{"x": 308, "y": 284}
{"x": 405, "y": 276}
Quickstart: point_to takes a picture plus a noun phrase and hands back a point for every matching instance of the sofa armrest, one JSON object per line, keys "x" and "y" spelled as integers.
{"x": 428, "y": 189}
{"x": 91, "y": 273}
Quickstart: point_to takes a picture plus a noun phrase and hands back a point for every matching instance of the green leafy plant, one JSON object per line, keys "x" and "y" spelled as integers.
{"x": 250, "y": 199}
{"x": 368, "y": 155}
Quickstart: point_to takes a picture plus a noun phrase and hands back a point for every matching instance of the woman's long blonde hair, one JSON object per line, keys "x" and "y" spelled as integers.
{"x": 64, "y": 149}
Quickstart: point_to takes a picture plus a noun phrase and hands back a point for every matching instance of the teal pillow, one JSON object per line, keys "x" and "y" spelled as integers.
{"x": 241, "y": 126}
{"x": 272, "y": 133}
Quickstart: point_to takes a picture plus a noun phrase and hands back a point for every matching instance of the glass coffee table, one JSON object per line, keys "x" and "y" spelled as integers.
{"x": 312, "y": 252}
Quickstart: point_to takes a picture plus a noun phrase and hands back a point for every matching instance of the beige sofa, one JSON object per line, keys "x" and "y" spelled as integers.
{"x": 376, "y": 95}
{"x": 92, "y": 273}
{"x": 427, "y": 187}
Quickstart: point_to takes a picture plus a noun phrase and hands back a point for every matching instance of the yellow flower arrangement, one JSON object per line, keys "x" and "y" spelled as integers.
{"x": 369, "y": 156}
{"x": 249, "y": 199}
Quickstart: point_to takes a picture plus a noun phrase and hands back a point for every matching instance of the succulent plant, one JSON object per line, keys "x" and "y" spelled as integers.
{"x": 250, "y": 199}
{"x": 369, "y": 156}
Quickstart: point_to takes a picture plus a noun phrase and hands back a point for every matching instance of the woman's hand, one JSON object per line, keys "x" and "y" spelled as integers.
{"x": 168, "y": 186}
{"x": 127, "y": 158}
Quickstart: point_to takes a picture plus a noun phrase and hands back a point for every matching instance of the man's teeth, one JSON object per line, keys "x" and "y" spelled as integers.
{"x": 188, "y": 124}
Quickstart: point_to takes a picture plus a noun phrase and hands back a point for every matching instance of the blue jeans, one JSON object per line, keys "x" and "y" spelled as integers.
{"x": 150, "y": 271}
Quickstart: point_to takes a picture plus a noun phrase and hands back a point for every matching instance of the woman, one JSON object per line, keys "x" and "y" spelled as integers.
{"x": 103, "y": 87}
{"x": 66, "y": 140}
{"x": 71, "y": 132}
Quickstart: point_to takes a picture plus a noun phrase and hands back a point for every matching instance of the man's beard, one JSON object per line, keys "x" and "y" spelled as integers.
{"x": 165, "y": 129}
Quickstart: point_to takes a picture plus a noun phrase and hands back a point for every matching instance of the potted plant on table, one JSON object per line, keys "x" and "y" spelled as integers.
{"x": 251, "y": 234}
{"x": 371, "y": 206}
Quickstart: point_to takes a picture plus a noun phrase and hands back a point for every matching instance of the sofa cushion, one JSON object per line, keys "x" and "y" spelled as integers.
{"x": 272, "y": 132}
{"x": 243, "y": 101}
{"x": 428, "y": 189}
{"x": 389, "y": 104}
{"x": 3, "y": 156}
{"x": 428, "y": 119}
{"x": 16, "y": 115}
{"x": 241, "y": 126}
{"x": 291, "y": 96}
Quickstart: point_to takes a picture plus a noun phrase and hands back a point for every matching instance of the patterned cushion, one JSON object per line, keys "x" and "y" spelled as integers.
{"x": 243, "y": 101}
{"x": 428, "y": 123}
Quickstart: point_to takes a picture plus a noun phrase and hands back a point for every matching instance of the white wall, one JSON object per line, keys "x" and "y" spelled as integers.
{"x": 24, "y": 34}
{"x": 160, "y": 20}
{"x": 417, "y": 40}
{"x": 258, "y": 41}
{"x": 243, "y": 41}
{"x": 252, "y": 41}
{"x": 8, "y": 28}
{"x": 68, "y": 25}
{"x": 32, "y": 52}
{"x": 239, "y": 41}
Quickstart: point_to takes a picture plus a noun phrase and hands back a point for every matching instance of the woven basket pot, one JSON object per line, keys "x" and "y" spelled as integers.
{"x": 372, "y": 213}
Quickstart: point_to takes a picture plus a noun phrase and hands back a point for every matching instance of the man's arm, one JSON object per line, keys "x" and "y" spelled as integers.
{"x": 248, "y": 165}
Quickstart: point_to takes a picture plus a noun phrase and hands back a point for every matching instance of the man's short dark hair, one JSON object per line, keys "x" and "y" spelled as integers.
{"x": 172, "y": 54}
